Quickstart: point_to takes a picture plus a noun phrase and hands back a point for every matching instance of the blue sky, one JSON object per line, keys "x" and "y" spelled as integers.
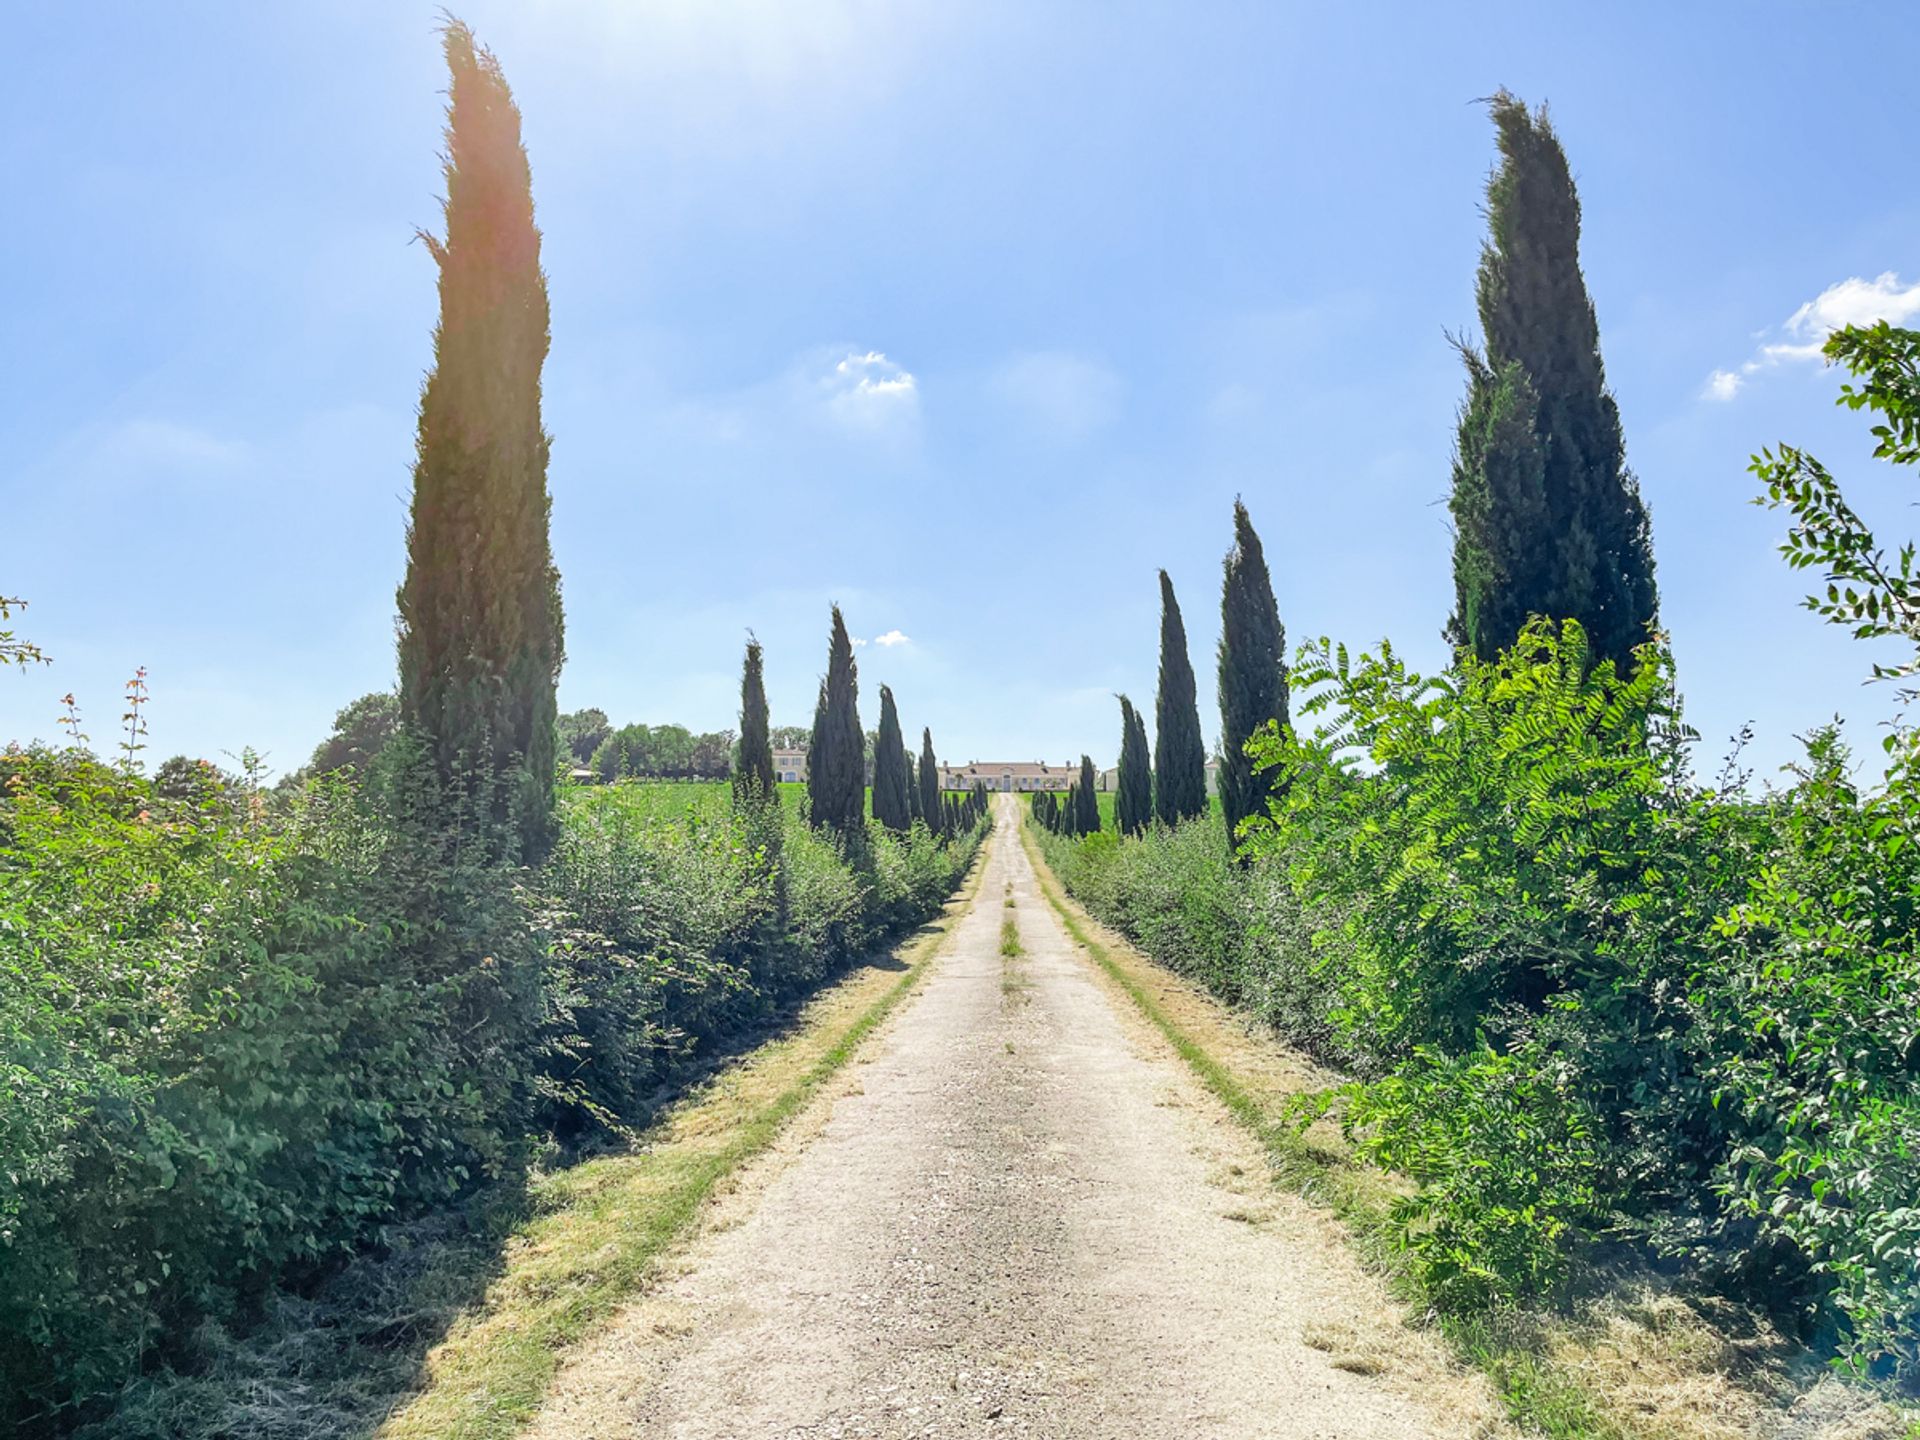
{"x": 969, "y": 317}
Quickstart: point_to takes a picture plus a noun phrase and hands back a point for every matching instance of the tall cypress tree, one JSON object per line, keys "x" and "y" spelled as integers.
{"x": 753, "y": 768}
{"x": 1133, "y": 801}
{"x": 480, "y": 630}
{"x": 1547, "y": 518}
{"x": 891, "y": 806}
{"x": 1253, "y": 668}
{"x": 929, "y": 784}
{"x": 1179, "y": 753}
{"x": 836, "y": 760}
{"x": 1088, "y": 817}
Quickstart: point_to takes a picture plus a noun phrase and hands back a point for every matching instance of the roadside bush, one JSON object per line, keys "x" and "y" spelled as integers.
{"x": 235, "y": 1047}
{"x": 681, "y": 921}
{"x": 243, "y": 1032}
{"x": 1586, "y": 996}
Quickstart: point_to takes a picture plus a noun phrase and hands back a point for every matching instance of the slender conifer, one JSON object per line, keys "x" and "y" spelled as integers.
{"x": 1548, "y": 519}
{"x": 1253, "y": 670}
{"x": 753, "y": 767}
{"x": 1133, "y": 798}
{"x": 1179, "y": 752}
{"x": 480, "y": 631}
{"x": 891, "y": 807}
{"x": 836, "y": 759}
{"x": 1087, "y": 817}
{"x": 930, "y": 785}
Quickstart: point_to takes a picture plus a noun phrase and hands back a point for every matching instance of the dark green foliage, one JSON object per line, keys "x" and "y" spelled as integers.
{"x": 1179, "y": 752}
{"x": 1253, "y": 670}
{"x": 753, "y": 769}
{"x": 664, "y": 752}
{"x": 1133, "y": 802}
{"x": 891, "y": 807}
{"x": 1086, "y": 806}
{"x": 929, "y": 777}
{"x": 916, "y": 808}
{"x": 1548, "y": 520}
{"x": 360, "y": 731}
{"x": 579, "y": 733}
{"x": 836, "y": 757}
{"x": 480, "y": 623}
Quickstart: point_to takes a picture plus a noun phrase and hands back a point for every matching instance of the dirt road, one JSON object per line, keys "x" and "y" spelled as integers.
{"x": 1021, "y": 1217}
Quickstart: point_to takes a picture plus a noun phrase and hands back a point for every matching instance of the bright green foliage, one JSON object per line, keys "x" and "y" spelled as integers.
{"x": 1508, "y": 1158}
{"x": 579, "y": 733}
{"x": 891, "y": 807}
{"x": 1133, "y": 801}
{"x": 1873, "y": 594}
{"x": 929, "y": 778}
{"x": 1588, "y": 998}
{"x": 1086, "y": 800}
{"x": 1547, "y": 518}
{"x": 1179, "y": 752}
{"x": 753, "y": 767}
{"x": 1253, "y": 670}
{"x": 836, "y": 758}
{"x": 480, "y": 622}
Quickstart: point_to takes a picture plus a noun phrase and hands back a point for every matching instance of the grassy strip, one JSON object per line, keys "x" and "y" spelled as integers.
{"x": 1538, "y": 1394}
{"x": 607, "y": 1223}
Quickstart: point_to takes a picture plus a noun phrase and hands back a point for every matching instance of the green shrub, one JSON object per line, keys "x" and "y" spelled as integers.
{"x": 237, "y": 1048}
{"x": 1586, "y": 996}
{"x": 1509, "y": 1164}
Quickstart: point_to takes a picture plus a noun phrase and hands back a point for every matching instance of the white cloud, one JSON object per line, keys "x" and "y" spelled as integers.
{"x": 1851, "y": 302}
{"x": 858, "y": 643}
{"x": 1065, "y": 395}
{"x": 868, "y": 391}
{"x": 891, "y": 638}
{"x": 1724, "y": 385}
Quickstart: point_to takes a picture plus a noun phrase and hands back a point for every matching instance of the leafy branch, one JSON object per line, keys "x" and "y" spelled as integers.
{"x": 13, "y": 650}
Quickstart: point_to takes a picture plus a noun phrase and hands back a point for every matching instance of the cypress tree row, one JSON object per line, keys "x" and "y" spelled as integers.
{"x": 890, "y": 804}
{"x": 1547, "y": 518}
{"x": 1133, "y": 801}
{"x": 1253, "y": 669}
{"x": 480, "y": 632}
{"x": 1087, "y": 811}
{"x": 930, "y": 784}
{"x": 1179, "y": 753}
{"x": 836, "y": 759}
{"x": 753, "y": 766}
